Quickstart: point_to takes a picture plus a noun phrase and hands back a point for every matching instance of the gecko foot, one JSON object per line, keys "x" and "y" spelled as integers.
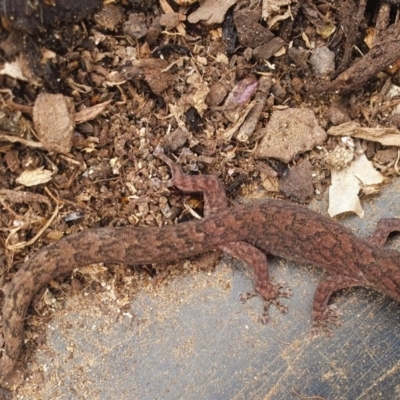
{"x": 244, "y": 296}
{"x": 330, "y": 316}
{"x": 270, "y": 295}
{"x": 264, "y": 317}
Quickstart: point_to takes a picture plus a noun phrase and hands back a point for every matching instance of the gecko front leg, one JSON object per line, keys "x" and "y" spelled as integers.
{"x": 263, "y": 287}
{"x": 215, "y": 200}
{"x": 213, "y": 192}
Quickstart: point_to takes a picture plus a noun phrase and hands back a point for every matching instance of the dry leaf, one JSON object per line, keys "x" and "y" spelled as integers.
{"x": 347, "y": 183}
{"x": 199, "y": 93}
{"x": 270, "y": 7}
{"x": 272, "y": 11}
{"x": 239, "y": 97}
{"x": 34, "y": 177}
{"x": 211, "y": 12}
{"x": 90, "y": 113}
{"x": 370, "y": 37}
{"x": 20, "y": 68}
{"x": 385, "y": 136}
{"x": 13, "y": 69}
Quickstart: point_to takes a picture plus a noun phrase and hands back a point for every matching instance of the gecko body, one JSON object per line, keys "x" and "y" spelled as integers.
{"x": 247, "y": 232}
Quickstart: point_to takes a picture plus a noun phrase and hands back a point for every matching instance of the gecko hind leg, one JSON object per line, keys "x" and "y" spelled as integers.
{"x": 384, "y": 228}
{"x": 213, "y": 191}
{"x": 263, "y": 287}
{"x": 325, "y": 315}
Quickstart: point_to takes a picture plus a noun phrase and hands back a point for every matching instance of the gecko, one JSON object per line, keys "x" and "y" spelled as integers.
{"x": 247, "y": 232}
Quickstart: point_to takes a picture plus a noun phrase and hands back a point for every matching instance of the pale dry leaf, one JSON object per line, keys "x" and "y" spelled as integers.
{"x": 13, "y": 69}
{"x": 347, "y": 183}
{"x": 211, "y": 12}
{"x": 21, "y": 69}
{"x": 227, "y": 134}
{"x": 385, "y": 136}
{"x": 34, "y": 177}
{"x": 271, "y": 22}
{"x": 90, "y": 113}
{"x": 326, "y": 30}
{"x": 197, "y": 98}
{"x": 273, "y": 9}
{"x": 269, "y": 183}
{"x": 370, "y": 36}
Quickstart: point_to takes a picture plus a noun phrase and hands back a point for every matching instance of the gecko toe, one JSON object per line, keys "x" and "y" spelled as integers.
{"x": 244, "y": 296}
{"x": 334, "y": 315}
{"x": 286, "y": 292}
{"x": 264, "y": 318}
{"x": 283, "y": 290}
{"x": 319, "y": 329}
{"x": 323, "y": 321}
{"x": 281, "y": 307}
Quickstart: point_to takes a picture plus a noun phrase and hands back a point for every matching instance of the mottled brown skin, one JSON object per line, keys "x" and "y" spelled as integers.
{"x": 247, "y": 232}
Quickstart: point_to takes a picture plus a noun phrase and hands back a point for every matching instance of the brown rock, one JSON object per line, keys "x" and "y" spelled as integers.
{"x": 288, "y": 133}
{"x": 152, "y": 71}
{"x": 337, "y": 114}
{"x": 297, "y": 183}
{"x": 135, "y": 27}
{"x": 298, "y": 56}
{"x": 266, "y": 51}
{"x": 386, "y": 156}
{"x": 171, "y": 20}
{"x": 250, "y": 32}
{"x": 216, "y": 94}
{"x": 109, "y": 17}
{"x": 54, "y": 119}
{"x": 154, "y": 31}
{"x": 176, "y": 139}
